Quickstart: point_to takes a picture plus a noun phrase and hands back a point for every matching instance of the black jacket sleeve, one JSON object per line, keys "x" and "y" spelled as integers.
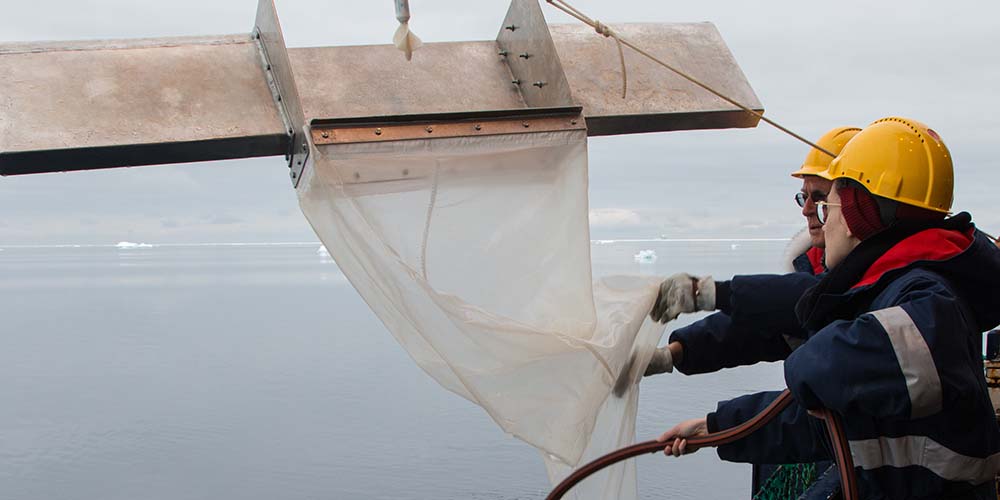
{"x": 757, "y": 313}
{"x": 793, "y": 436}
{"x": 767, "y": 301}
{"x": 715, "y": 343}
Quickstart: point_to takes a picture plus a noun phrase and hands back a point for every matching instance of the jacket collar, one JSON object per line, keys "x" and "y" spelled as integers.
{"x": 935, "y": 244}
{"x": 852, "y": 284}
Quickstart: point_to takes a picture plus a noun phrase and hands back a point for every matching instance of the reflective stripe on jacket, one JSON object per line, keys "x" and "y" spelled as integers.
{"x": 900, "y": 359}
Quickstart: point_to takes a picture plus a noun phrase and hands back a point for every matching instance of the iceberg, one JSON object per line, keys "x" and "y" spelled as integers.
{"x": 125, "y": 245}
{"x": 646, "y": 257}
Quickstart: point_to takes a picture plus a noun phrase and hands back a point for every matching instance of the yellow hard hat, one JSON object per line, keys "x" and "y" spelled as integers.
{"x": 832, "y": 141}
{"x": 899, "y": 159}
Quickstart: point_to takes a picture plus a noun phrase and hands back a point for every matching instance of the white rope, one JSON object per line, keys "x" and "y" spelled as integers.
{"x": 427, "y": 222}
{"x": 604, "y": 30}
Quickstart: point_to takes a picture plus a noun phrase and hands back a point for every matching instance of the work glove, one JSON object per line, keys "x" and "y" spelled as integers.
{"x": 661, "y": 362}
{"x": 683, "y": 293}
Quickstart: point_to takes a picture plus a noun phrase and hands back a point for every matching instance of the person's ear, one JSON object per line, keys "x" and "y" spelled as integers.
{"x": 854, "y": 240}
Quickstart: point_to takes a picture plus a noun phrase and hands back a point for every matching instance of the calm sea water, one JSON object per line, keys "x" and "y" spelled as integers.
{"x": 257, "y": 372}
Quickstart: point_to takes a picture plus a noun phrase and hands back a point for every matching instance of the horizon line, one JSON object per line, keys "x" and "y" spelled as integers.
{"x": 127, "y": 245}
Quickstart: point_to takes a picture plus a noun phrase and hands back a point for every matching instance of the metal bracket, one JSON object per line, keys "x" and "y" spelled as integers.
{"x": 526, "y": 34}
{"x": 278, "y": 68}
{"x": 443, "y": 125}
{"x": 330, "y": 135}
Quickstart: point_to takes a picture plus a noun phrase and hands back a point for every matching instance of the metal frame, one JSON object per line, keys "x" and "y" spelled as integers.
{"x": 121, "y": 103}
{"x": 135, "y": 155}
{"x": 378, "y": 129}
{"x": 281, "y": 81}
{"x": 103, "y": 104}
{"x": 527, "y": 47}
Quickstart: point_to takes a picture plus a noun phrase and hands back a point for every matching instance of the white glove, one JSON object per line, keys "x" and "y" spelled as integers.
{"x": 661, "y": 362}
{"x": 683, "y": 293}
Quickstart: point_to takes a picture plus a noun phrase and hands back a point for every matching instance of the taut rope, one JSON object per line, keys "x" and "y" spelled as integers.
{"x": 605, "y": 30}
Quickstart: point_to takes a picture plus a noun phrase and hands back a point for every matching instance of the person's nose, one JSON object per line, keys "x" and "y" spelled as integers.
{"x": 809, "y": 209}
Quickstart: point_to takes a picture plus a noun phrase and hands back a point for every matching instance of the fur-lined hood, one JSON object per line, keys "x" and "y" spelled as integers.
{"x": 799, "y": 244}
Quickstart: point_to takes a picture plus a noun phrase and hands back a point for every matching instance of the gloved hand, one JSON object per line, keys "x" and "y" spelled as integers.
{"x": 661, "y": 362}
{"x": 683, "y": 293}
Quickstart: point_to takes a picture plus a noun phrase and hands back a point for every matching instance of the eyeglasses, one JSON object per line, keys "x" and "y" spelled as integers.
{"x": 823, "y": 210}
{"x": 801, "y": 198}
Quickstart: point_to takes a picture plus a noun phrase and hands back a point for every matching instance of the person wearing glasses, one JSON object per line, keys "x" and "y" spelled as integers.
{"x": 894, "y": 331}
{"x": 757, "y": 320}
{"x": 809, "y": 250}
{"x": 744, "y": 332}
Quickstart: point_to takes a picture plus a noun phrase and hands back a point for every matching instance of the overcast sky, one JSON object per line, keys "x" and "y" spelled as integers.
{"x": 814, "y": 65}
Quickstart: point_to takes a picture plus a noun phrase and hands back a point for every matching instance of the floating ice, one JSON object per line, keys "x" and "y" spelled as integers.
{"x": 324, "y": 254}
{"x": 130, "y": 245}
{"x": 646, "y": 256}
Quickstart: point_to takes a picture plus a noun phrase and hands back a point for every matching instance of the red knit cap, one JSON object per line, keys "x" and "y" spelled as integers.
{"x": 860, "y": 211}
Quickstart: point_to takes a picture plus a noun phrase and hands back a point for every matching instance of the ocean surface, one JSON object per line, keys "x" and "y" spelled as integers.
{"x": 250, "y": 372}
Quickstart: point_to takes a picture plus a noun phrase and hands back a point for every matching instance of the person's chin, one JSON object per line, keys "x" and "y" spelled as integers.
{"x": 816, "y": 236}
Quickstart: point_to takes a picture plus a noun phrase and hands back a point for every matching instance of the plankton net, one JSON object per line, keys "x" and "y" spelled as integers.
{"x": 475, "y": 254}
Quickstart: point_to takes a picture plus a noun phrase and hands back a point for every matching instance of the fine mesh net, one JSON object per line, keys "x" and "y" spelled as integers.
{"x": 475, "y": 254}
{"x": 788, "y": 482}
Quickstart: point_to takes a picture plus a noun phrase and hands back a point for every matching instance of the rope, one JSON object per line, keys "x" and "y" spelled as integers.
{"x": 604, "y": 30}
{"x": 840, "y": 446}
{"x": 841, "y": 452}
{"x": 714, "y": 439}
{"x": 427, "y": 222}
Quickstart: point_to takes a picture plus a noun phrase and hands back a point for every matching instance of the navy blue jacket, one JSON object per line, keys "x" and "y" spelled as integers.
{"x": 757, "y": 316}
{"x": 893, "y": 347}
